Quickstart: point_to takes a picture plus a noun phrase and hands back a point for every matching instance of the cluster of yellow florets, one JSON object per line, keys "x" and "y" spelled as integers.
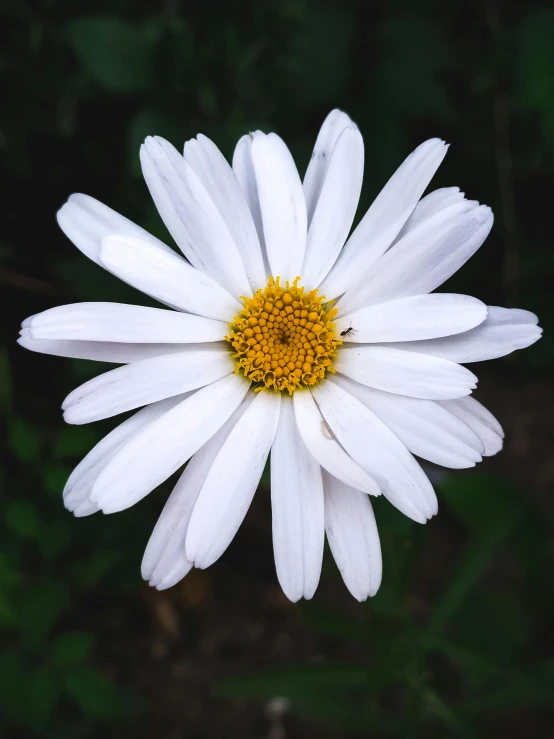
{"x": 284, "y": 338}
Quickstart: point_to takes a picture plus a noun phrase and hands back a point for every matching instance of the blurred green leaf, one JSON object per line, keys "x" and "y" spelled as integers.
{"x": 535, "y": 67}
{"x": 488, "y": 505}
{"x": 72, "y": 442}
{"x": 55, "y": 477}
{"x": 23, "y": 518}
{"x": 55, "y": 537}
{"x": 13, "y": 682}
{"x": 71, "y": 647}
{"x": 436, "y": 706}
{"x": 39, "y": 609}
{"x": 7, "y": 613}
{"x": 24, "y": 440}
{"x": 42, "y": 692}
{"x": 495, "y": 677}
{"x": 469, "y": 569}
{"x": 318, "y": 64}
{"x": 494, "y": 623}
{"x": 415, "y": 55}
{"x": 97, "y": 696}
{"x": 90, "y": 571}
{"x": 118, "y": 54}
{"x": 8, "y": 572}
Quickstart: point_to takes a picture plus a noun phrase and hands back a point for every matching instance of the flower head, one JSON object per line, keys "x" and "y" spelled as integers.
{"x": 284, "y": 337}
{"x": 283, "y": 334}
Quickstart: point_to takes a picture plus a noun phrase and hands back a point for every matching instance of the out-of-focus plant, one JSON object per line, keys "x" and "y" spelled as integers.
{"x": 455, "y": 639}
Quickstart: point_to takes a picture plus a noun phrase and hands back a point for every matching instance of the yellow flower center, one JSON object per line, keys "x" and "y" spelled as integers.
{"x": 284, "y": 338}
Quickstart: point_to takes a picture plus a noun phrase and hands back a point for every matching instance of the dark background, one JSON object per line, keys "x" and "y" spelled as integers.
{"x": 458, "y": 641}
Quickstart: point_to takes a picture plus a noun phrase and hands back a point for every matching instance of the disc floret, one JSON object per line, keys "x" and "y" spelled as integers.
{"x": 284, "y": 337}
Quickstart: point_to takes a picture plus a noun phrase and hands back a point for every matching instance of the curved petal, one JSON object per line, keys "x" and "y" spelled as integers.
{"x": 480, "y": 420}
{"x": 504, "y": 331}
{"x": 425, "y": 258}
{"x": 321, "y": 444}
{"x": 427, "y": 429}
{"x": 191, "y": 216}
{"x": 405, "y": 373}
{"x": 79, "y": 485}
{"x": 104, "y": 351}
{"x": 297, "y": 509}
{"x": 329, "y": 133}
{"x": 353, "y": 537}
{"x": 165, "y": 561}
{"x": 378, "y": 450}
{"x": 336, "y": 206}
{"x": 282, "y": 205}
{"x": 414, "y": 318}
{"x": 243, "y": 167}
{"x": 158, "y": 451}
{"x": 232, "y": 481}
{"x": 121, "y": 322}
{"x": 385, "y": 217}
{"x": 167, "y": 277}
{"x": 140, "y": 383}
{"x": 86, "y": 221}
{"x": 429, "y": 206}
{"x": 222, "y": 185}
{"x": 85, "y": 509}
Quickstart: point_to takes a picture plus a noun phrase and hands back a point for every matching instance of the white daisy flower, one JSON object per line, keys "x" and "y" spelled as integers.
{"x": 286, "y": 335}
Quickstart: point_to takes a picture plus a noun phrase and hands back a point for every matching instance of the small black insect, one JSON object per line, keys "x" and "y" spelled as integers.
{"x": 348, "y": 331}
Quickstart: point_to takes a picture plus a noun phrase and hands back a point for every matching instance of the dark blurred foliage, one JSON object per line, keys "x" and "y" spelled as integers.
{"x": 458, "y": 640}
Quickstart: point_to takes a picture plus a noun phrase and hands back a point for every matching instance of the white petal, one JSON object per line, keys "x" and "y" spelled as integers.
{"x": 405, "y": 373}
{"x": 79, "y": 485}
{"x": 191, "y": 216}
{"x": 85, "y": 509}
{"x": 243, "y": 167}
{"x": 353, "y": 537}
{"x": 144, "y": 382}
{"x": 120, "y": 322}
{"x": 480, "y": 420}
{"x": 105, "y": 351}
{"x": 232, "y": 481}
{"x": 336, "y": 206}
{"x": 426, "y": 428}
{"x": 429, "y": 206}
{"x": 413, "y": 318}
{"x": 332, "y": 128}
{"x": 386, "y": 216}
{"x": 425, "y": 258}
{"x": 324, "y": 447}
{"x": 297, "y": 509}
{"x": 378, "y": 450}
{"x": 87, "y": 221}
{"x": 165, "y": 561}
{"x": 222, "y": 185}
{"x": 159, "y": 450}
{"x": 171, "y": 577}
{"x": 166, "y": 277}
{"x": 282, "y": 205}
{"x": 504, "y": 331}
